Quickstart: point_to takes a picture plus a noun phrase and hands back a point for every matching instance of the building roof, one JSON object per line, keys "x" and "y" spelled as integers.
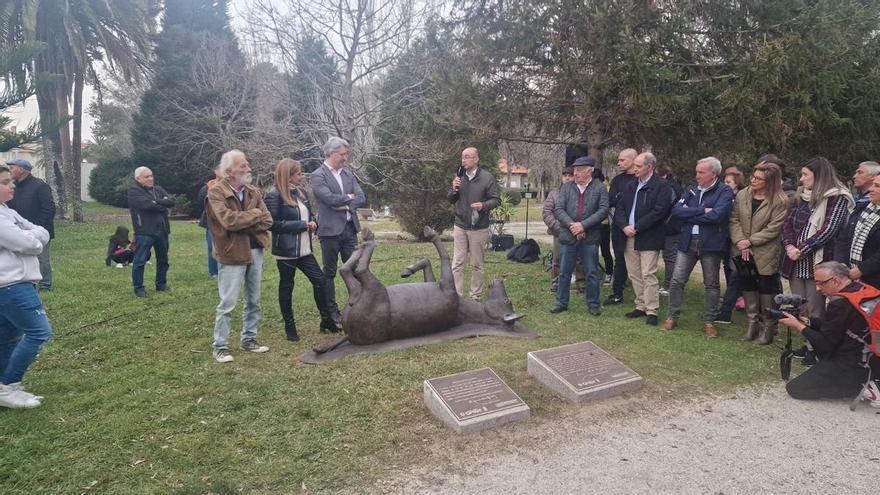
{"x": 517, "y": 169}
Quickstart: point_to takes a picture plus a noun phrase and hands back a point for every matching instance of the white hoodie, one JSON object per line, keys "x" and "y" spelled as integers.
{"x": 20, "y": 243}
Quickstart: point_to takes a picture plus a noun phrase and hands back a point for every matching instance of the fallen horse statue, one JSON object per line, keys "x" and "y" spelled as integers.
{"x": 381, "y": 318}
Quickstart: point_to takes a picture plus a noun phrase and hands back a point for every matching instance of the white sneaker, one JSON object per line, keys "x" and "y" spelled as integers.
{"x": 18, "y": 386}
{"x": 120, "y": 265}
{"x": 872, "y": 394}
{"x": 663, "y": 292}
{"x": 223, "y": 356}
{"x": 252, "y": 345}
{"x": 16, "y": 399}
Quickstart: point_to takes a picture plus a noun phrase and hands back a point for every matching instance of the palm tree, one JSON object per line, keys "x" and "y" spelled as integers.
{"x": 77, "y": 34}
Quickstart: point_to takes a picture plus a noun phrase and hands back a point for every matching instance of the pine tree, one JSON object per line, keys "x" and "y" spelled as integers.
{"x": 200, "y": 102}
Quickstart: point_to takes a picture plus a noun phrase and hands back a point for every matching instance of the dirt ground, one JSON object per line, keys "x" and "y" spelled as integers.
{"x": 751, "y": 441}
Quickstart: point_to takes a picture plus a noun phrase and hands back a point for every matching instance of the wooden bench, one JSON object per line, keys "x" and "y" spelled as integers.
{"x": 366, "y": 214}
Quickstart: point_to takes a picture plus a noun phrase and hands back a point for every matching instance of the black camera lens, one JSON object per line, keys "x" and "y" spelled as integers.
{"x": 773, "y": 314}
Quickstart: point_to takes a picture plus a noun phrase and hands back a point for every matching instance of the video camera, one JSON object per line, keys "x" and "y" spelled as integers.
{"x": 788, "y": 303}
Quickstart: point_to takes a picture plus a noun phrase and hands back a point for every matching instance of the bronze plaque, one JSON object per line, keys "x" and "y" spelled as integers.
{"x": 473, "y": 394}
{"x": 584, "y": 366}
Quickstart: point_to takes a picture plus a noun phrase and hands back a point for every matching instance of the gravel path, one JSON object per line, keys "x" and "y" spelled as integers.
{"x": 753, "y": 441}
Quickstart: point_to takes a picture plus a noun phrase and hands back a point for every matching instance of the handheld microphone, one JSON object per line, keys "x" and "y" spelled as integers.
{"x": 459, "y": 173}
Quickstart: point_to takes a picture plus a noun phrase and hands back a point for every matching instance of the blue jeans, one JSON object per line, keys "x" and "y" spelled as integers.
{"x": 144, "y": 244}
{"x": 24, "y": 327}
{"x": 589, "y": 256}
{"x": 212, "y": 263}
{"x": 229, "y": 281}
{"x": 684, "y": 265}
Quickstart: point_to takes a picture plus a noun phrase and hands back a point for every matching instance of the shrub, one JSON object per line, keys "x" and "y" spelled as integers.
{"x": 110, "y": 179}
{"x": 182, "y": 205}
{"x": 514, "y": 197}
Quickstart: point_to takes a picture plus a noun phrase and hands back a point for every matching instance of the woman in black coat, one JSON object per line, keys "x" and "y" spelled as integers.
{"x": 292, "y": 228}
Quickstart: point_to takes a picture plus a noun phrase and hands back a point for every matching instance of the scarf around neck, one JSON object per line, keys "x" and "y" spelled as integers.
{"x": 817, "y": 216}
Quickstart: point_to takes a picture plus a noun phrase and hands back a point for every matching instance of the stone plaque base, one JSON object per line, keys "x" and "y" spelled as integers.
{"x": 581, "y": 372}
{"x": 473, "y": 401}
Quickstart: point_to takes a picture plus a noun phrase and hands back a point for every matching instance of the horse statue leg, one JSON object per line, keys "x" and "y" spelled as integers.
{"x": 424, "y": 265}
{"x": 446, "y": 280}
{"x": 347, "y": 273}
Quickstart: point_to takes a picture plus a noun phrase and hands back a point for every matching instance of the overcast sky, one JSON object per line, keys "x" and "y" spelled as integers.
{"x": 23, "y": 115}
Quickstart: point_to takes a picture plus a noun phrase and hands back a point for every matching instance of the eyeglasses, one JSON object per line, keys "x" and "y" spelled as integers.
{"x": 823, "y": 282}
{"x": 756, "y": 178}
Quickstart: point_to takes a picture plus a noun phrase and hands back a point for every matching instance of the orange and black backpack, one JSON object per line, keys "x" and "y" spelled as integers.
{"x": 867, "y": 302}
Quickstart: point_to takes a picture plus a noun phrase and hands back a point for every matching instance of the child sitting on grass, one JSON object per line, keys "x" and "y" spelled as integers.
{"x": 121, "y": 249}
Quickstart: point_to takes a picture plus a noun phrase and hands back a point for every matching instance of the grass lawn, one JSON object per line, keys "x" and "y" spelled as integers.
{"x": 535, "y": 208}
{"x": 135, "y": 404}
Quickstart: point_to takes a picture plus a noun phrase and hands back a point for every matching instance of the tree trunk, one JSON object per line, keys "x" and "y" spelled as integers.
{"x": 62, "y": 153}
{"x": 594, "y": 144}
{"x": 74, "y": 186}
{"x": 53, "y": 143}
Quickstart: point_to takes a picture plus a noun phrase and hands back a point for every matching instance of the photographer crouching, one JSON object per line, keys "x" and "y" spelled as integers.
{"x": 840, "y": 372}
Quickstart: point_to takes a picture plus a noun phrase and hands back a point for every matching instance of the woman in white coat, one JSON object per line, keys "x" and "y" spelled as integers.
{"x": 24, "y": 326}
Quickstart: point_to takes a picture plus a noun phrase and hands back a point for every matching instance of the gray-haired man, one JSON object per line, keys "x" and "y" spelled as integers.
{"x": 704, "y": 212}
{"x": 338, "y": 196}
{"x": 148, "y": 205}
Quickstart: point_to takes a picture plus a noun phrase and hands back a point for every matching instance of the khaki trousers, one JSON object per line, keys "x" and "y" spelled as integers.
{"x": 471, "y": 242}
{"x": 642, "y": 268}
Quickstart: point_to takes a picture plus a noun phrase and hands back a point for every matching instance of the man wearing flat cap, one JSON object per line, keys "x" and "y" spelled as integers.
{"x": 33, "y": 200}
{"x": 580, "y": 208}
{"x": 474, "y": 194}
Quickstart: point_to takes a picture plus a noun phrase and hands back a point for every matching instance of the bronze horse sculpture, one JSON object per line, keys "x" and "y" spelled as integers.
{"x": 379, "y": 317}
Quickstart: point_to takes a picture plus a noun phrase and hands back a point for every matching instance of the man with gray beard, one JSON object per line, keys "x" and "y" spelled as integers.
{"x": 239, "y": 222}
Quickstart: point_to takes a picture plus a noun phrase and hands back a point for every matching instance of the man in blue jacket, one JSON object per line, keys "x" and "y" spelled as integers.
{"x": 704, "y": 212}
{"x": 580, "y": 208}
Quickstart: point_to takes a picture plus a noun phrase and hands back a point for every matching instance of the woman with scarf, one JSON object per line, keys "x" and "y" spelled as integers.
{"x": 755, "y": 229}
{"x": 292, "y": 228}
{"x": 820, "y": 208}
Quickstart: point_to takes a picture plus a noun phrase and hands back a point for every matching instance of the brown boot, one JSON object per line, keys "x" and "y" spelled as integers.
{"x": 709, "y": 330}
{"x": 753, "y": 311}
{"x": 769, "y": 331}
{"x": 668, "y": 325}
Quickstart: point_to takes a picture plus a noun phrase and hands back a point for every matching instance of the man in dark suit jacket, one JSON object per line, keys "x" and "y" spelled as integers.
{"x": 862, "y": 252}
{"x": 641, "y": 214}
{"x": 338, "y": 196}
{"x": 33, "y": 200}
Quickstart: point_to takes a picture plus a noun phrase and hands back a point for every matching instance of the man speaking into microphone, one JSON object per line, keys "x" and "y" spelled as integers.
{"x": 474, "y": 193}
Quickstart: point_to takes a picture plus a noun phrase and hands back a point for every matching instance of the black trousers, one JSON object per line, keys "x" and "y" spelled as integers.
{"x": 605, "y": 247}
{"x": 332, "y": 248}
{"x": 287, "y": 271}
{"x": 829, "y": 379}
{"x": 618, "y": 243}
